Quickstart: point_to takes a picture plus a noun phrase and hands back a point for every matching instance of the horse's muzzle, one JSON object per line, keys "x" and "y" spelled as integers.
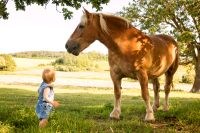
{"x": 72, "y": 47}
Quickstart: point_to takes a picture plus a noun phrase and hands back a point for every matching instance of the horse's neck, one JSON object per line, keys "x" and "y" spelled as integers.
{"x": 115, "y": 41}
{"x": 108, "y": 41}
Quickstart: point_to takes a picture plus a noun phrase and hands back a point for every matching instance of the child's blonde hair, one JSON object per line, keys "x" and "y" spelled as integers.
{"x": 48, "y": 75}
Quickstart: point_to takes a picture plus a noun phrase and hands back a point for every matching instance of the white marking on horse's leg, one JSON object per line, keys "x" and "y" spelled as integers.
{"x": 167, "y": 91}
{"x": 149, "y": 111}
{"x": 166, "y": 101}
{"x": 117, "y": 105}
{"x": 156, "y": 103}
{"x": 143, "y": 79}
{"x": 156, "y": 88}
{"x": 117, "y": 102}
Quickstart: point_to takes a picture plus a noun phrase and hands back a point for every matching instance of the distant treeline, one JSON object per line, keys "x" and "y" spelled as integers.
{"x": 38, "y": 54}
{"x": 53, "y": 54}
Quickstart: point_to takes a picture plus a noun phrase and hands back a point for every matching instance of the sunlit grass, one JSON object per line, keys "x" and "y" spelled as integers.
{"x": 85, "y": 111}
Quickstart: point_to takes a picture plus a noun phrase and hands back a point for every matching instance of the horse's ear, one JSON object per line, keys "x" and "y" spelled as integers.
{"x": 86, "y": 12}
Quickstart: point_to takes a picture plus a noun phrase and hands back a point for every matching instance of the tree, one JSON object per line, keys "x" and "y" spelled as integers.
{"x": 180, "y": 18}
{"x": 64, "y": 4}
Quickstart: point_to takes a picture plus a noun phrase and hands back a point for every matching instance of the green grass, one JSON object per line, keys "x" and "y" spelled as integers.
{"x": 86, "y": 112}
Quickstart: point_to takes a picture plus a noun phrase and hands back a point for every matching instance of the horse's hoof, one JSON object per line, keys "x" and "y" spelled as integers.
{"x": 155, "y": 108}
{"x": 115, "y": 114}
{"x": 150, "y": 121}
{"x": 149, "y": 117}
{"x": 114, "y": 118}
{"x": 165, "y": 108}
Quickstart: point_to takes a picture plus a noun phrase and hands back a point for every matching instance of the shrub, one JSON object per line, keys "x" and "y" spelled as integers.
{"x": 84, "y": 62}
{"x": 7, "y": 63}
{"x": 188, "y": 77}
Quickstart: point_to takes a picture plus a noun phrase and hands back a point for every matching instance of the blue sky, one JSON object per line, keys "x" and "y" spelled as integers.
{"x": 40, "y": 28}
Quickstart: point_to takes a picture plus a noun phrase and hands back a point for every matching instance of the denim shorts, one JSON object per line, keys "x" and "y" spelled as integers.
{"x": 43, "y": 110}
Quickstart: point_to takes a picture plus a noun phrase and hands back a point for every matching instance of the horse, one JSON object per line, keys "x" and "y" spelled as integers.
{"x": 131, "y": 53}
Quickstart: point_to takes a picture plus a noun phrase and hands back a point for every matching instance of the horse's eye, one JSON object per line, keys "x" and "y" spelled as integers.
{"x": 81, "y": 26}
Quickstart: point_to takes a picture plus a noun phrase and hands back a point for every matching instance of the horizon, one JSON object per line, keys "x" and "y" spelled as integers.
{"x": 41, "y": 28}
{"x": 52, "y": 52}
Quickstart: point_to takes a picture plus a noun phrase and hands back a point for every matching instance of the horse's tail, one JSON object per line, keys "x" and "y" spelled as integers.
{"x": 173, "y": 68}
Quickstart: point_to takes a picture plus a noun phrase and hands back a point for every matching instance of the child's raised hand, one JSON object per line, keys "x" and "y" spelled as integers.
{"x": 56, "y": 104}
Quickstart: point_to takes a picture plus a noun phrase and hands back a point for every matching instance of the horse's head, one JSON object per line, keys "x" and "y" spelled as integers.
{"x": 84, "y": 34}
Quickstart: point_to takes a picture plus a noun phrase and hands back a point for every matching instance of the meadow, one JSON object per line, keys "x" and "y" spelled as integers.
{"x": 86, "y": 109}
{"x": 89, "y": 112}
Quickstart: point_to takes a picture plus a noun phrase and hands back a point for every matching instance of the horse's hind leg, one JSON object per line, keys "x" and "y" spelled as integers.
{"x": 169, "y": 82}
{"x": 117, "y": 91}
{"x": 167, "y": 87}
{"x": 156, "y": 88}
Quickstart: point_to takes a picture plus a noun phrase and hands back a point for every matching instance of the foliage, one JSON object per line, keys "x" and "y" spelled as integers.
{"x": 7, "y": 63}
{"x": 87, "y": 112}
{"x": 84, "y": 62}
{"x": 64, "y": 4}
{"x": 188, "y": 77}
{"x": 3, "y": 10}
{"x": 180, "y": 18}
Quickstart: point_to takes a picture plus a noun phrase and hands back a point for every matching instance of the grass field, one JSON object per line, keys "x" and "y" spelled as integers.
{"x": 85, "y": 112}
{"x": 87, "y": 109}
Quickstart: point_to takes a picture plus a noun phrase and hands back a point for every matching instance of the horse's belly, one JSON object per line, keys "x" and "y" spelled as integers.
{"x": 160, "y": 68}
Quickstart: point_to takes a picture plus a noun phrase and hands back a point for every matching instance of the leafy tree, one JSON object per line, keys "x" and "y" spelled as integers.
{"x": 180, "y": 18}
{"x": 64, "y": 4}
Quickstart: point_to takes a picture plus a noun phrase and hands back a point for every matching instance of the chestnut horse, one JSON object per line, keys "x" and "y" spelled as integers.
{"x": 131, "y": 54}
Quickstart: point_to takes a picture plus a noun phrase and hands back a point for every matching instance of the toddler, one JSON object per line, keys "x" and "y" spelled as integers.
{"x": 46, "y": 97}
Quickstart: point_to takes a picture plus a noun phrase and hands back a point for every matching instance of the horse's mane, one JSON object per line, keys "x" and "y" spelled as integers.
{"x": 123, "y": 22}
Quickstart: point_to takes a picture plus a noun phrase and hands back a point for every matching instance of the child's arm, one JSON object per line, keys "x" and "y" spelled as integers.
{"x": 47, "y": 99}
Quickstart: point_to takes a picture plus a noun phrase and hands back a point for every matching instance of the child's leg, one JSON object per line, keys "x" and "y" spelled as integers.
{"x": 43, "y": 123}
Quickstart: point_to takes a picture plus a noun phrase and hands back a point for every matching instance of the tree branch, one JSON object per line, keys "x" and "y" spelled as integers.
{"x": 181, "y": 22}
{"x": 196, "y": 26}
{"x": 167, "y": 22}
{"x": 176, "y": 23}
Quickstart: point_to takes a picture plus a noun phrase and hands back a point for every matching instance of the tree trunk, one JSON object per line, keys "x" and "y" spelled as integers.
{"x": 196, "y": 85}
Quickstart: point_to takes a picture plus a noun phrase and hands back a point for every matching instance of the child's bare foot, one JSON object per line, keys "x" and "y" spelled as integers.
{"x": 43, "y": 123}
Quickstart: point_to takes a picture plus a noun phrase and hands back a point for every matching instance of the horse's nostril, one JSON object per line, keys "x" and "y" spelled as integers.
{"x": 75, "y": 46}
{"x": 66, "y": 46}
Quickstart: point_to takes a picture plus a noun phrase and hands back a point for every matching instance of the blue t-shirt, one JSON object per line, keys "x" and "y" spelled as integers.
{"x": 41, "y": 92}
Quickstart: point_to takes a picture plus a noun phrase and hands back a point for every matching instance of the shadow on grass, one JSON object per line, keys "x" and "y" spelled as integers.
{"x": 84, "y": 112}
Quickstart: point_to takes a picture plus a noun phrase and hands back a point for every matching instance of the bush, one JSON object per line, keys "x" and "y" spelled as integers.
{"x": 84, "y": 62}
{"x": 7, "y": 63}
{"x": 188, "y": 77}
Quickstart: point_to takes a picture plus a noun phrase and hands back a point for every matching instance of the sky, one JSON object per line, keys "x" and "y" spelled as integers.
{"x": 44, "y": 28}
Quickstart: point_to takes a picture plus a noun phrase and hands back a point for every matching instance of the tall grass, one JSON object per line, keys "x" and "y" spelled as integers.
{"x": 85, "y": 112}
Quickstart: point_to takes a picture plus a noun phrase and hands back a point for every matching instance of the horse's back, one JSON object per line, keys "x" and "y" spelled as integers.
{"x": 162, "y": 39}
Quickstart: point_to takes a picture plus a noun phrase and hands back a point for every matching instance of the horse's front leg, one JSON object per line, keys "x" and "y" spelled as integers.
{"x": 115, "y": 114}
{"x": 143, "y": 79}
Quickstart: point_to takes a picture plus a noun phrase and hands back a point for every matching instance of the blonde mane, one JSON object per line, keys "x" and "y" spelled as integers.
{"x": 103, "y": 23}
{"x": 104, "y": 26}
